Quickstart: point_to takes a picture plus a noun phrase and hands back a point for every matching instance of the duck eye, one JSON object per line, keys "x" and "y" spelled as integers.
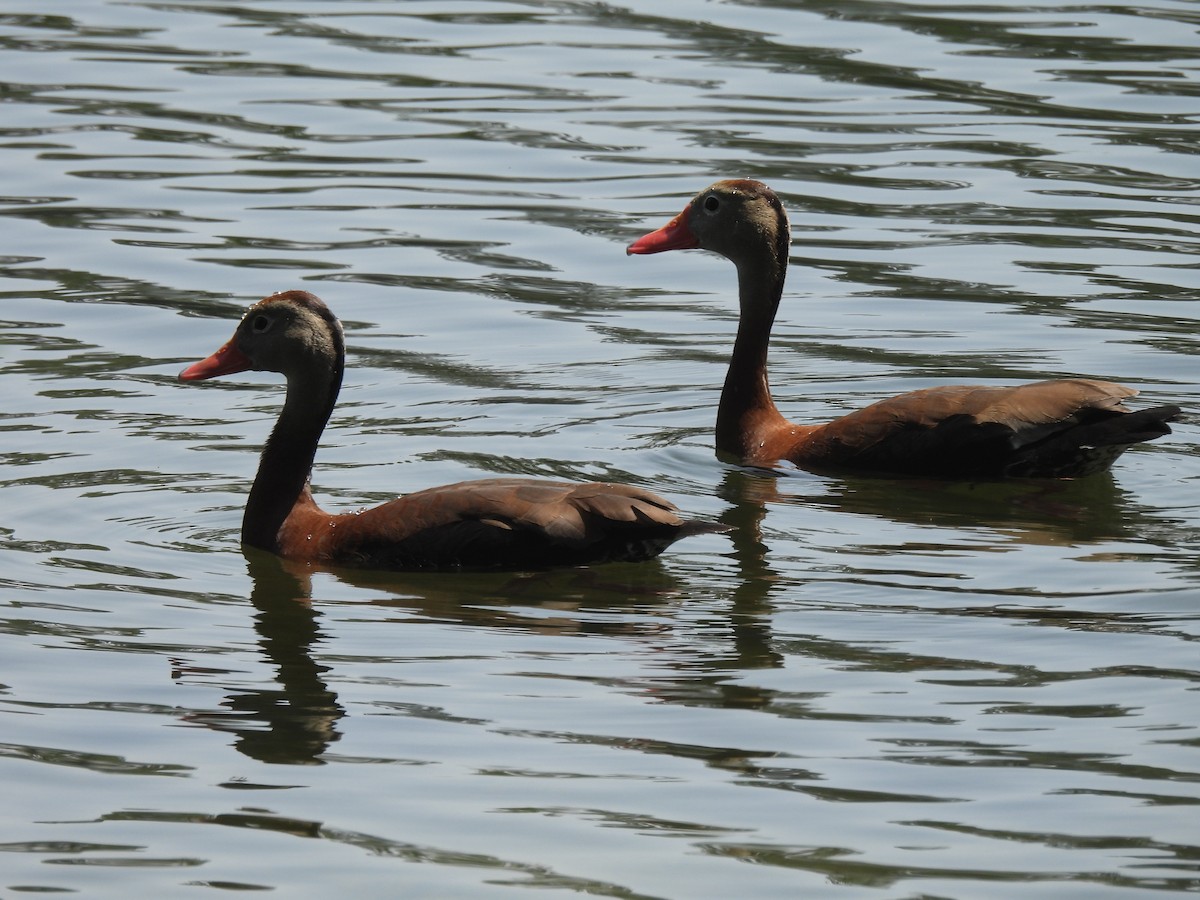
{"x": 711, "y": 203}
{"x": 260, "y": 323}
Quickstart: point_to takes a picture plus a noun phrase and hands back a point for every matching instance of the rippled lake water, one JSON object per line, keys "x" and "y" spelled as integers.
{"x": 872, "y": 688}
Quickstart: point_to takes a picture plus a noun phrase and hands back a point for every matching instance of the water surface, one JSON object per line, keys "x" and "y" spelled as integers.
{"x": 873, "y": 688}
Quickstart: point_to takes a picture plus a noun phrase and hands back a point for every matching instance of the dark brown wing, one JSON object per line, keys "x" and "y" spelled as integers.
{"x": 513, "y": 523}
{"x": 1045, "y": 429}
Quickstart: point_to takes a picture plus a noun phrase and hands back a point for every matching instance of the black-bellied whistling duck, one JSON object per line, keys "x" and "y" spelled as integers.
{"x": 498, "y": 523}
{"x": 1049, "y": 429}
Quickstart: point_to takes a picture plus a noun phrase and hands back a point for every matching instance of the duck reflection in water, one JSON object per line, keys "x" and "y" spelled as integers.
{"x": 296, "y": 717}
{"x": 294, "y": 720}
{"x": 1017, "y": 511}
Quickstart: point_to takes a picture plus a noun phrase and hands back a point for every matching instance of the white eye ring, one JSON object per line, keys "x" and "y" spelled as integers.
{"x": 260, "y": 324}
{"x": 711, "y": 203}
